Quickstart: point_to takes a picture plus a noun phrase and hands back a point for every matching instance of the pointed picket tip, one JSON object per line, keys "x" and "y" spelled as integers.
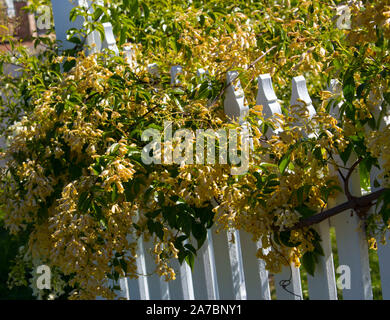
{"x": 235, "y": 105}
{"x": 299, "y": 91}
{"x": 175, "y": 71}
{"x": 234, "y": 84}
{"x": 153, "y": 69}
{"x": 266, "y": 96}
{"x": 231, "y": 76}
{"x": 109, "y": 41}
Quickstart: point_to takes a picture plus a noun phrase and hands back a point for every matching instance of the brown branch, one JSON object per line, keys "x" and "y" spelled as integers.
{"x": 261, "y": 57}
{"x": 356, "y": 203}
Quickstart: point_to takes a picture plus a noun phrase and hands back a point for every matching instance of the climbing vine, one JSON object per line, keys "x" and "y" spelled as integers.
{"x": 74, "y": 178}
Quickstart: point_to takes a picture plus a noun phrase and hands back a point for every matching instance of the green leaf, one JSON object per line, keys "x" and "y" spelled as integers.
{"x": 184, "y": 222}
{"x": 201, "y": 20}
{"x": 203, "y": 90}
{"x": 360, "y": 89}
{"x": 384, "y": 201}
{"x": 182, "y": 255}
{"x": 74, "y": 13}
{"x": 68, "y": 64}
{"x": 114, "y": 193}
{"x": 153, "y": 214}
{"x": 75, "y": 40}
{"x": 305, "y": 211}
{"x": 146, "y": 10}
{"x": 97, "y": 13}
{"x": 364, "y": 174}
{"x": 299, "y": 193}
{"x": 113, "y": 148}
{"x": 169, "y": 214}
{"x": 318, "y": 154}
{"x": 199, "y": 232}
{"x": 155, "y": 227}
{"x": 211, "y": 15}
{"x": 82, "y": 204}
{"x": 283, "y": 163}
{"x": 284, "y": 237}
{"x": 158, "y": 229}
{"x": 134, "y": 7}
{"x": 179, "y": 242}
{"x": 318, "y": 248}
{"x": 178, "y": 91}
{"x": 309, "y": 262}
{"x": 190, "y": 247}
{"x": 161, "y": 198}
{"x": 346, "y": 153}
{"x": 190, "y": 259}
{"x": 349, "y": 88}
{"x": 123, "y": 265}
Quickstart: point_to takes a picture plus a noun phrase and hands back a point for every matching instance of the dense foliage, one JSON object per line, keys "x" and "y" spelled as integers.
{"x": 74, "y": 179}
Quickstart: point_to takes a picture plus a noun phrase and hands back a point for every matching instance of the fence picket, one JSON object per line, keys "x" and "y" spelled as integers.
{"x": 235, "y": 105}
{"x": 130, "y": 56}
{"x": 384, "y": 268}
{"x": 323, "y": 285}
{"x": 205, "y": 275}
{"x": 231, "y": 285}
{"x": 175, "y": 286}
{"x": 383, "y": 250}
{"x": 353, "y": 252}
{"x": 164, "y": 290}
{"x": 138, "y": 288}
{"x": 256, "y": 276}
{"x": 291, "y": 277}
{"x": 155, "y": 290}
{"x": 351, "y": 240}
{"x": 186, "y": 282}
{"x": 267, "y": 98}
{"x": 300, "y": 94}
{"x": 109, "y": 41}
{"x": 125, "y": 289}
{"x": 181, "y": 288}
{"x": 236, "y": 108}
{"x": 175, "y": 72}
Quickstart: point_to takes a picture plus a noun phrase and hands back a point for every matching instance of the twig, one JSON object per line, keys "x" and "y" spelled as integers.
{"x": 261, "y": 57}
{"x": 249, "y": 67}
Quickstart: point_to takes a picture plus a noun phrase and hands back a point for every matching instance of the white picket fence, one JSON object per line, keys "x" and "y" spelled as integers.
{"x": 226, "y": 270}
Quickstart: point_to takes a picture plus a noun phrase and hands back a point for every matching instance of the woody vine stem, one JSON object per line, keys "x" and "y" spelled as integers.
{"x": 360, "y": 205}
